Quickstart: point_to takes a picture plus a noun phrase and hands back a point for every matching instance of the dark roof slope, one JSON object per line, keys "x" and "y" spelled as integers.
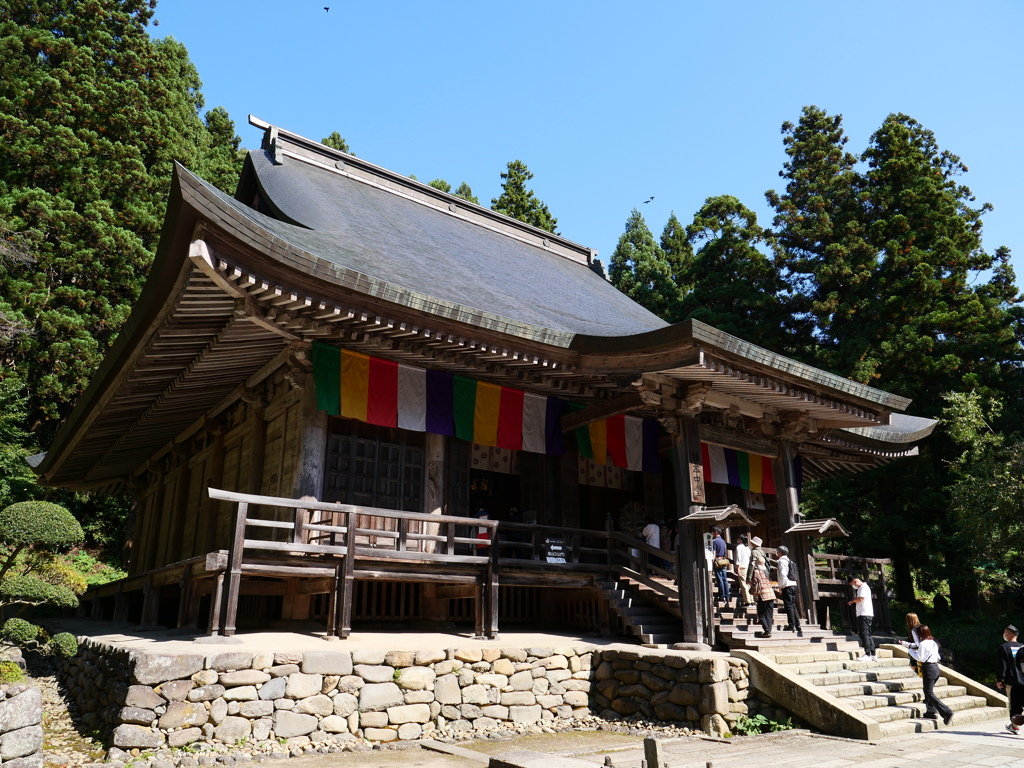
{"x": 397, "y": 239}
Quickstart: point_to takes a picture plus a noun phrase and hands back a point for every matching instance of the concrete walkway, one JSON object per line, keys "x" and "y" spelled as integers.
{"x": 969, "y": 745}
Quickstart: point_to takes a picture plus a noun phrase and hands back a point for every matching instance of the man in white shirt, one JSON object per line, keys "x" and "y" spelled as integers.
{"x": 741, "y": 562}
{"x": 865, "y": 616}
{"x": 788, "y": 588}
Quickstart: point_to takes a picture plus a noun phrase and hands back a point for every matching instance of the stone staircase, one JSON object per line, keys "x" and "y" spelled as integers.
{"x": 644, "y": 613}
{"x": 887, "y": 691}
{"x": 736, "y": 628}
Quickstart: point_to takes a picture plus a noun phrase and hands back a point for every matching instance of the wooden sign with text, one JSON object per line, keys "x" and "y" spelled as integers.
{"x": 697, "y": 483}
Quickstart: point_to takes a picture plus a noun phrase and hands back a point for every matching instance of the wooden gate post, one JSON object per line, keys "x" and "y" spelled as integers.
{"x": 233, "y": 582}
{"x": 344, "y": 581}
{"x": 492, "y": 588}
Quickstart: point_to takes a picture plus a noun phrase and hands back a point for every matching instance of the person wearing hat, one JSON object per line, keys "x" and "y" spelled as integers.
{"x": 1007, "y": 675}
{"x": 761, "y": 586}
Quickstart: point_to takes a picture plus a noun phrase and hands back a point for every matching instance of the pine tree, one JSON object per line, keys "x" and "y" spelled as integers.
{"x": 335, "y": 141}
{"x": 640, "y": 270}
{"x": 441, "y": 184}
{"x": 733, "y": 285}
{"x": 519, "y": 202}
{"x": 466, "y": 193}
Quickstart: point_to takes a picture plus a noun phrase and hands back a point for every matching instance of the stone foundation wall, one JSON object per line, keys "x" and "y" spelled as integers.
{"x": 145, "y": 700}
{"x": 21, "y": 730}
{"x": 702, "y": 691}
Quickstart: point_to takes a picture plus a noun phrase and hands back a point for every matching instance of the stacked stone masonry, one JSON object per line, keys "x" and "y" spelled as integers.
{"x": 21, "y": 729}
{"x": 148, "y": 701}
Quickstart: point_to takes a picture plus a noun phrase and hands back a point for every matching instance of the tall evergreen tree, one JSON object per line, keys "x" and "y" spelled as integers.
{"x": 733, "y": 285}
{"x": 678, "y": 251}
{"x": 640, "y": 270}
{"x": 92, "y": 112}
{"x": 519, "y": 202}
{"x": 821, "y": 229}
{"x": 220, "y": 161}
{"x": 466, "y": 193}
{"x": 890, "y": 266}
{"x": 440, "y": 184}
{"x": 336, "y": 141}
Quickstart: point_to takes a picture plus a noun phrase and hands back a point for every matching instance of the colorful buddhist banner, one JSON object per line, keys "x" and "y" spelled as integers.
{"x": 390, "y": 394}
{"x": 744, "y": 470}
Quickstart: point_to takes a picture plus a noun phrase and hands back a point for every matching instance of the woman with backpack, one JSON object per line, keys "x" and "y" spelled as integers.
{"x": 761, "y": 586}
{"x": 788, "y": 579}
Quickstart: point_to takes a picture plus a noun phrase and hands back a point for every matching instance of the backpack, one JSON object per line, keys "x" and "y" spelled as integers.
{"x": 793, "y": 576}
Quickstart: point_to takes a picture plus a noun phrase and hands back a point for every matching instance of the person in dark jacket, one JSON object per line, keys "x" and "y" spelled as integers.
{"x": 1006, "y": 675}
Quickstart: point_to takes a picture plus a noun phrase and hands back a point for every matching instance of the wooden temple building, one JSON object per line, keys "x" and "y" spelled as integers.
{"x": 329, "y": 375}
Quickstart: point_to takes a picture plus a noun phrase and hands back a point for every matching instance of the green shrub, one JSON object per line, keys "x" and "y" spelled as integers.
{"x": 749, "y": 726}
{"x": 33, "y": 591}
{"x": 10, "y": 672}
{"x": 39, "y": 523}
{"x": 64, "y": 644}
{"x": 19, "y": 631}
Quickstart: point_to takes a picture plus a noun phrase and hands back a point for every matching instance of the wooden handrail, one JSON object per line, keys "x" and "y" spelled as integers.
{"x": 326, "y": 506}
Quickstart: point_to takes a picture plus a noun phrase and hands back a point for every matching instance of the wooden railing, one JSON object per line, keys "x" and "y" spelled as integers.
{"x": 831, "y": 574}
{"x": 331, "y": 533}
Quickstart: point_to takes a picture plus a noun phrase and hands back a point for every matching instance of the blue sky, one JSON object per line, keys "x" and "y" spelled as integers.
{"x": 612, "y": 103}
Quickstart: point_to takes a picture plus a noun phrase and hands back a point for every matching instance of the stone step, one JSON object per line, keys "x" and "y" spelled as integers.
{"x": 883, "y": 686}
{"x": 901, "y": 728}
{"x": 917, "y": 709}
{"x": 811, "y": 655}
{"x": 892, "y": 699}
{"x": 870, "y": 675}
{"x": 842, "y": 665}
{"x": 788, "y": 643}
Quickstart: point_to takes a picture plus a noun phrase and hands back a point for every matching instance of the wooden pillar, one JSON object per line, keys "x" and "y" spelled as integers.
{"x": 434, "y": 494}
{"x": 344, "y": 585}
{"x": 309, "y": 479}
{"x": 570, "y": 517}
{"x": 150, "y": 603}
{"x": 258, "y": 448}
{"x": 691, "y": 565}
{"x": 206, "y": 534}
{"x": 654, "y": 495}
{"x": 233, "y": 580}
{"x": 180, "y": 511}
{"x": 120, "y": 604}
{"x": 789, "y": 509}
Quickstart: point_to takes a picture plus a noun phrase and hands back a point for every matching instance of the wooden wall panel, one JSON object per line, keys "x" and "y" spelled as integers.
{"x": 229, "y": 482}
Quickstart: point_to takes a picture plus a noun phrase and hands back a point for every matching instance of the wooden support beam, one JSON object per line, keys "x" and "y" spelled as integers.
{"x": 624, "y": 404}
{"x": 691, "y": 565}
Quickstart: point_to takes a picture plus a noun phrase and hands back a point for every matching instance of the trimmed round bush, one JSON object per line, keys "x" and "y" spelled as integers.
{"x": 64, "y": 644}
{"x": 19, "y": 631}
{"x": 29, "y": 589}
{"x": 40, "y": 523}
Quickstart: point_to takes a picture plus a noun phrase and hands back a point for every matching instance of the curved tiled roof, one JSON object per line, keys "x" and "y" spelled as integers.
{"x": 400, "y": 240}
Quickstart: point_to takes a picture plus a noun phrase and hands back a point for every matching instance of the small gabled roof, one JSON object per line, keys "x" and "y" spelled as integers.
{"x": 826, "y": 526}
